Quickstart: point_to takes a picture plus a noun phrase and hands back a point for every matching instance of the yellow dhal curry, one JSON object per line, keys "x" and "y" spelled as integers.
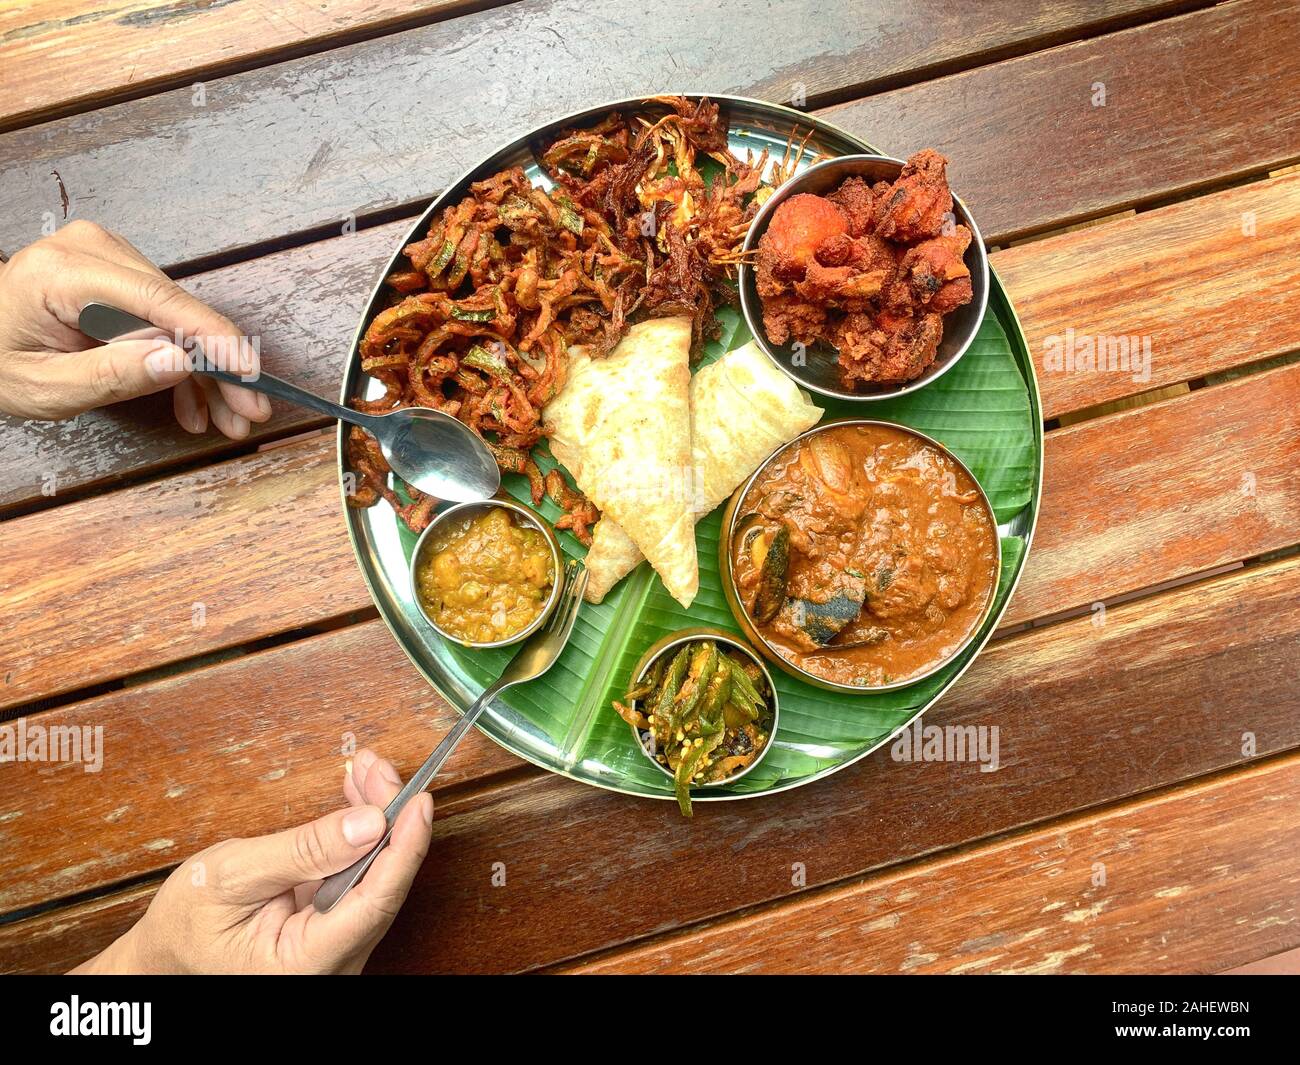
{"x": 485, "y": 577}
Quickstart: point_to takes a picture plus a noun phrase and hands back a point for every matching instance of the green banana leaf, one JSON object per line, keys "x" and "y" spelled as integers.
{"x": 982, "y": 409}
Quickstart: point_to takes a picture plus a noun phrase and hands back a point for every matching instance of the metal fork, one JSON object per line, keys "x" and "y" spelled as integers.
{"x": 534, "y": 658}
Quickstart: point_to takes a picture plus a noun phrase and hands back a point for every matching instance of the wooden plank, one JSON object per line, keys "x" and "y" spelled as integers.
{"x": 1165, "y": 491}
{"x": 1196, "y": 287}
{"x": 1162, "y": 691}
{"x": 1183, "y": 102}
{"x": 1183, "y": 883}
{"x": 58, "y": 56}
{"x": 173, "y": 569}
{"x": 61, "y": 940}
{"x": 1285, "y": 964}
{"x": 1131, "y": 500}
{"x": 268, "y": 748}
{"x": 326, "y": 138}
{"x": 303, "y": 305}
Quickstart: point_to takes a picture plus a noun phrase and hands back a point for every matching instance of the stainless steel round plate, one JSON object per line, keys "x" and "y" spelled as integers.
{"x": 986, "y": 410}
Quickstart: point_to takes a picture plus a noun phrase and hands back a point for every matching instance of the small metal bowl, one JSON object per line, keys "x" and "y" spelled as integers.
{"x": 671, "y": 643}
{"x": 821, "y": 372}
{"x": 732, "y": 514}
{"x": 529, "y": 517}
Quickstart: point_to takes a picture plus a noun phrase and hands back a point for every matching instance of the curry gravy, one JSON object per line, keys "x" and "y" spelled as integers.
{"x": 864, "y": 555}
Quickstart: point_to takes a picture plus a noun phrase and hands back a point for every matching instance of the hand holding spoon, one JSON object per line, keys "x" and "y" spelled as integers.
{"x": 428, "y": 449}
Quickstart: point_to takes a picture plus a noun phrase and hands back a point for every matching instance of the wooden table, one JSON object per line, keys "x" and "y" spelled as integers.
{"x": 1132, "y": 165}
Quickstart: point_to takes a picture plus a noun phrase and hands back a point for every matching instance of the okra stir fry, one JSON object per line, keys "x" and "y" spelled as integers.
{"x": 707, "y": 712}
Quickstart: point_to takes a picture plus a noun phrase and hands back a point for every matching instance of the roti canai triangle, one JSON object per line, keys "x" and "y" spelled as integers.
{"x": 742, "y": 409}
{"x": 622, "y": 427}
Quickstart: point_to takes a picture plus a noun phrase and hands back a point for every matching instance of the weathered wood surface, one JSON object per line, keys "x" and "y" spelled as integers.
{"x": 1163, "y": 691}
{"x": 1203, "y": 285}
{"x": 59, "y": 57}
{"x": 1127, "y": 278}
{"x": 1199, "y": 879}
{"x": 61, "y": 940}
{"x": 1185, "y": 107}
{"x": 380, "y": 126}
{"x": 252, "y": 742}
{"x": 116, "y": 584}
{"x": 1173, "y": 489}
{"x": 1285, "y": 964}
{"x": 256, "y": 546}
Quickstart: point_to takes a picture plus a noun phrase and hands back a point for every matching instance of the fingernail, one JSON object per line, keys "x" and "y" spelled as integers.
{"x": 239, "y": 425}
{"x": 162, "y": 363}
{"x": 387, "y": 771}
{"x": 426, "y": 809}
{"x": 363, "y": 825}
{"x": 347, "y": 768}
{"x": 263, "y": 406}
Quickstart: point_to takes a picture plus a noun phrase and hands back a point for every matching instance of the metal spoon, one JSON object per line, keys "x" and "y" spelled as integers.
{"x": 533, "y": 659}
{"x": 426, "y": 448}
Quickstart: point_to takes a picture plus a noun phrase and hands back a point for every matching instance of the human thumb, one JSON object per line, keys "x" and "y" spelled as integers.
{"x": 268, "y": 865}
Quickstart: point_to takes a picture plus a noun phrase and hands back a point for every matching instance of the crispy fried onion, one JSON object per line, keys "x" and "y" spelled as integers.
{"x": 480, "y": 322}
{"x": 643, "y": 175}
{"x": 477, "y": 327}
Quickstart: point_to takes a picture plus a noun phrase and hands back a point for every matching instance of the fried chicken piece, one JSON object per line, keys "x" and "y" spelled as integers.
{"x": 916, "y": 204}
{"x": 787, "y": 317}
{"x": 840, "y": 250}
{"x": 886, "y": 349}
{"x": 798, "y": 228}
{"x": 848, "y": 272}
{"x": 824, "y": 284}
{"x": 956, "y": 293}
{"x": 934, "y": 274}
{"x": 838, "y": 269}
{"x": 858, "y": 202}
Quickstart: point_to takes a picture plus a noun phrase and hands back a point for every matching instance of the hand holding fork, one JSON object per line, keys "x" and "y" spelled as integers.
{"x": 534, "y": 658}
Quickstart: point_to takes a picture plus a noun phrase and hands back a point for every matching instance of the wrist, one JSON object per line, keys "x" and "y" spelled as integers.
{"x": 146, "y": 952}
{"x": 134, "y": 953}
{"x": 118, "y": 958}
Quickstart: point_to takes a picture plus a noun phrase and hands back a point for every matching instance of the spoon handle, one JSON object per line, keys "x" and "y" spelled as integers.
{"x": 334, "y": 887}
{"x": 104, "y": 322}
